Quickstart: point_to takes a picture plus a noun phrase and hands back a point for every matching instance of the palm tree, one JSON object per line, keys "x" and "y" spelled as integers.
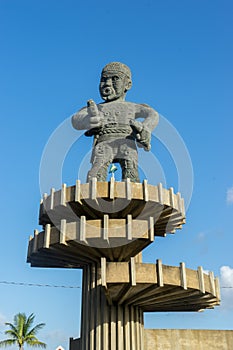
{"x": 21, "y": 332}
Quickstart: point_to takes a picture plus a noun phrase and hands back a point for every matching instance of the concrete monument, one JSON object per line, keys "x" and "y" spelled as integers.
{"x": 102, "y": 228}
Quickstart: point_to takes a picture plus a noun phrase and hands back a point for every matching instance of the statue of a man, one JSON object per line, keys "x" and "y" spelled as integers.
{"x": 113, "y": 124}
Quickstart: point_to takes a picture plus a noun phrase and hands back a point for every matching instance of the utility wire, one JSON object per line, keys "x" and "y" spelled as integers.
{"x": 56, "y": 286}
{"x": 37, "y": 285}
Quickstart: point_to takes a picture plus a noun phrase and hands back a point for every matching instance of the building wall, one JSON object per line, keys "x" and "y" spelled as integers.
{"x": 74, "y": 344}
{"x": 188, "y": 339}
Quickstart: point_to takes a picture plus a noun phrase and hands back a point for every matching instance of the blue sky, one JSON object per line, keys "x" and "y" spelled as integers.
{"x": 181, "y": 55}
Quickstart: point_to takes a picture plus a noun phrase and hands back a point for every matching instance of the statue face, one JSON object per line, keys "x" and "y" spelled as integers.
{"x": 113, "y": 86}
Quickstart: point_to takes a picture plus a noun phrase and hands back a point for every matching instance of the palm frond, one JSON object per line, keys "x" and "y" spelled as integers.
{"x": 7, "y": 342}
{"x": 20, "y": 319}
{"x": 12, "y": 327}
{"x": 11, "y": 333}
{"x": 36, "y": 343}
{"x": 35, "y": 329}
{"x": 28, "y": 323}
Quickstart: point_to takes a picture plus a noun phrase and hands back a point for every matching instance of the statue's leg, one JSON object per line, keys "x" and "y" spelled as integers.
{"x": 99, "y": 170}
{"x": 129, "y": 170}
{"x": 128, "y": 159}
{"x": 101, "y": 159}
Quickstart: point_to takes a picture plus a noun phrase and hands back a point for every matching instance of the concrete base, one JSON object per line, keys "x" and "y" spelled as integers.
{"x": 181, "y": 339}
{"x": 188, "y": 339}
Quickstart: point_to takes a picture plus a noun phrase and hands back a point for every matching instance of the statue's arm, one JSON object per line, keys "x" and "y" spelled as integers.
{"x": 80, "y": 120}
{"x": 150, "y": 116}
{"x": 143, "y": 129}
{"x": 87, "y": 118}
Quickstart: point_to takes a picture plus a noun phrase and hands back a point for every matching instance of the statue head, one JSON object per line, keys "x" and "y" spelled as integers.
{"x": 115, "y": 81}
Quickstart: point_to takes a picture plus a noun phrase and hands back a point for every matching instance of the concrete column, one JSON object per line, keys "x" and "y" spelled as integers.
{"x": 104, "y": 326}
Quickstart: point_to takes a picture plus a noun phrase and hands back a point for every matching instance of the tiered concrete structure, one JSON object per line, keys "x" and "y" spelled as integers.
{"x": 102, "y": 227}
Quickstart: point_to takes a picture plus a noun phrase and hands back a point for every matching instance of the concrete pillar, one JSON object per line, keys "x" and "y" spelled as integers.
{"x": 104, "y": 326}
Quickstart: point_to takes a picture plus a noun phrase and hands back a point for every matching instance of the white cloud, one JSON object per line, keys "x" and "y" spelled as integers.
{"x": 226, "y": 275}
{"x": 230, "y": 195}
{"x": 54, "y": 338}
{"x": 226, "y": 280}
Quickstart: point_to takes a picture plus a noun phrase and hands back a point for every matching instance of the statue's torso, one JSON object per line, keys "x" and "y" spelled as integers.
{"x": 118, "y": 113}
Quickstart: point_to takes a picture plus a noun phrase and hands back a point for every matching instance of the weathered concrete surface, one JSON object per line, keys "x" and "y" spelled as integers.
{"x": 118, "y": 218}
{"x": 188, "y": 339}
{"x": 158, "y": 287}
{"x": 102, "y": 227}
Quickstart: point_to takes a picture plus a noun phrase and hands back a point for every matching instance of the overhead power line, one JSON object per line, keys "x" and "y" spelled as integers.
{"x": 57, "y": 286}
{"x": 37, "y": 285}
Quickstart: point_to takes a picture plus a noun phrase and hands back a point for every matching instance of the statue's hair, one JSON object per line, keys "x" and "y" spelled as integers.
{"x": 117, "y": 67}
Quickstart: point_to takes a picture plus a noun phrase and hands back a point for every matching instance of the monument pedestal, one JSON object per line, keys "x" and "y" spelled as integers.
{"x": 107, "y": 325}
{"x": 102, "y": 228}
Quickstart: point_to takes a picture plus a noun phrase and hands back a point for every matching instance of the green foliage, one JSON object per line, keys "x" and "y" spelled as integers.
{"x": 21, "y": 332}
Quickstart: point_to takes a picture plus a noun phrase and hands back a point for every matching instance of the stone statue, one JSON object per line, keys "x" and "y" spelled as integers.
{"x": 113, "y": 124}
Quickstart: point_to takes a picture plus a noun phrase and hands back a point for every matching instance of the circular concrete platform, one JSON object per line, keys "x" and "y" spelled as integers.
{"x": 95, "y": 200}
{"x": 115, "y": 220}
